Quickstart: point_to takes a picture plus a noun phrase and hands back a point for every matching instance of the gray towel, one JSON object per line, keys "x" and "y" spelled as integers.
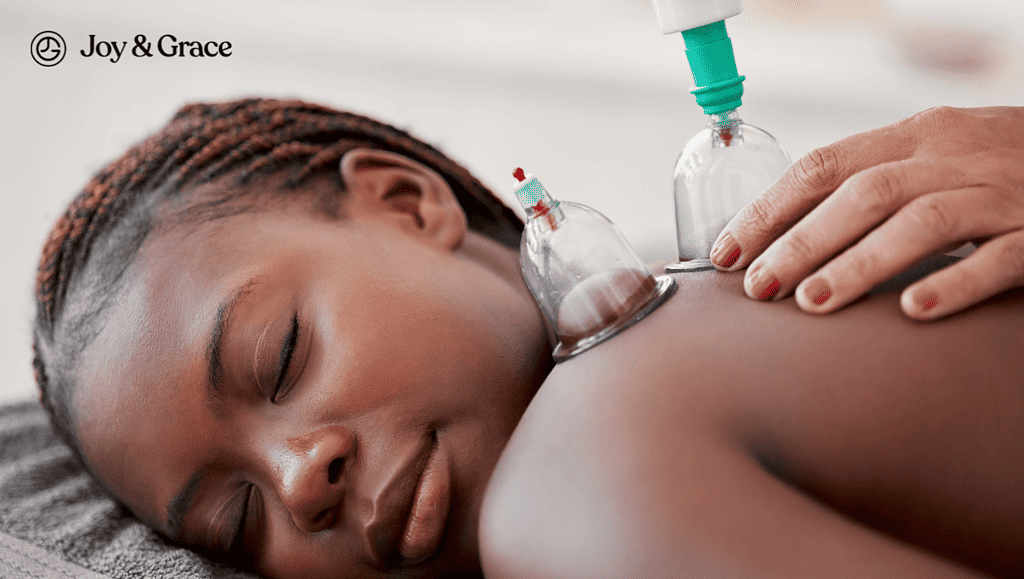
{"x": 49, "y": 501}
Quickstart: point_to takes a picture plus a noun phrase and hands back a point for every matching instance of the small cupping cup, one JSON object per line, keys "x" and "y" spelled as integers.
{"x": 582, "y": 272}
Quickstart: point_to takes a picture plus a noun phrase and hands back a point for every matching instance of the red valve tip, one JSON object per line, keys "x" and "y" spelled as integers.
{"x": 519, "y": 174}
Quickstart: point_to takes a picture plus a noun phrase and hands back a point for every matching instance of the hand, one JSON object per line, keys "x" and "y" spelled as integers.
{"x": 874, "y": 204}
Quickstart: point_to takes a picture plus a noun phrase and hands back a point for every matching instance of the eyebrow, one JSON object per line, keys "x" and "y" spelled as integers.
{"x": 180, "y": 504}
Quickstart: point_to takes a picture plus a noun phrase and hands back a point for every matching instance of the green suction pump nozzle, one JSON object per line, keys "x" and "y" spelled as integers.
{"x": 708, "y": 48}
{"x": 719, "y": 87}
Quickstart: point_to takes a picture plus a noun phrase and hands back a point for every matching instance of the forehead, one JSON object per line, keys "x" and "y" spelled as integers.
{"x": 133, "y": 377}
{"x": 140, "y": 403}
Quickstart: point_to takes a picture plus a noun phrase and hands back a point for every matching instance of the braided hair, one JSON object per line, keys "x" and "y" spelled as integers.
{"x": 91, "y": 246}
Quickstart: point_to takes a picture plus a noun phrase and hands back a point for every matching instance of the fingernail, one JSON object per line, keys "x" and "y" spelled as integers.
{"x": 822, "y": 297}
{"x": 770, "y": 291}
{"x": 726, "y": 252}
{"x": 819, "y": 289}
{"x": 930, "y": 302}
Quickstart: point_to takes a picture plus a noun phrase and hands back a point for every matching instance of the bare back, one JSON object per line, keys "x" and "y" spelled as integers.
{"x": 726, "y": 437}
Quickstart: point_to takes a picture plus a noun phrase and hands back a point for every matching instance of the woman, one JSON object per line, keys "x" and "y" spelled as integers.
{"x": 298, "y": 340}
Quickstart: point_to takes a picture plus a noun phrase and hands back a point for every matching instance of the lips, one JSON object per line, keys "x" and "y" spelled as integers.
{"x": 410, "y": 509}
{"x": 429, "y": 511}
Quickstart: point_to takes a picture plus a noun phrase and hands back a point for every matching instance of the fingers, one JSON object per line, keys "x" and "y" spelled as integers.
{"x": 861, "y": 203}
{"x": 802, "y": 187}
{"x": 994, "y": 268}
{"x": 922, "y": 228}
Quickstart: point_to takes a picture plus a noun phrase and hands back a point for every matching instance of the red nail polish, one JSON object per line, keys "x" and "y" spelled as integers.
{"x": 770, "y": 291}
{"x": 732, "y": 258}
{"x": 818, "y": 287}
{"x": 726, "y": 246}
{"x": 822, "y": 297}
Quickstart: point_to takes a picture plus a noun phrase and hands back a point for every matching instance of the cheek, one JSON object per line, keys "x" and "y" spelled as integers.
{"x": 416, "y": 338}
{"x": 397, "y": 341}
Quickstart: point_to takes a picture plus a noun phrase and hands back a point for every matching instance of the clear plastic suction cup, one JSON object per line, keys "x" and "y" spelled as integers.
{"x": 582, "y": 272}
{"x": 723, "y": 168}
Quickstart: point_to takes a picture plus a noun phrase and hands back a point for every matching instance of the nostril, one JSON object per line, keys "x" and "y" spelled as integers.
{"x": 334, "y": 470}
{"x": 324, "y": 520}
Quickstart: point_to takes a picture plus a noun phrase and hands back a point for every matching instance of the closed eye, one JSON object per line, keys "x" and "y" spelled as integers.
{"x": 237, "y": 544}
{"x": 291, "y": 339}
{"x": 245, "y": 545}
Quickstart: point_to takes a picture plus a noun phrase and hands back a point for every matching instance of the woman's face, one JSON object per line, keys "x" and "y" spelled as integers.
{"x": 328, "y": 396}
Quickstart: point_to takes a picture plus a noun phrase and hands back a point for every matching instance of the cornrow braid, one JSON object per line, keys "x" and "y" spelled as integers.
{"x": 203, "y": 141}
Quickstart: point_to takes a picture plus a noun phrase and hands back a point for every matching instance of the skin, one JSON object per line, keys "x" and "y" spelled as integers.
{"x": 392, "y": 300}
{"x": 850, "y": 215}
{"x": 723, "y": 437}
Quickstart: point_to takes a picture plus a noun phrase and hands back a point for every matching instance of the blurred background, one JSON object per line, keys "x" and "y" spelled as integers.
{"x": 586, "y": 94}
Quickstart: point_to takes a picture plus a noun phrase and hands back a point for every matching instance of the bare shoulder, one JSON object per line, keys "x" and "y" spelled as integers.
{"x": 689, "y": 442}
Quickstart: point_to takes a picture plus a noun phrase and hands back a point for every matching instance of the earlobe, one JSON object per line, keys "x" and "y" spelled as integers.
{"x": 405, "y": 192}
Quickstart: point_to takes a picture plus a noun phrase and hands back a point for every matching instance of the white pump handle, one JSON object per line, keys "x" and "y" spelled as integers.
{"x": 678, "y": 15}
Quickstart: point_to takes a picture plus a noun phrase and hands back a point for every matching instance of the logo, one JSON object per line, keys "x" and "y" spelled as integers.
{"x": 48, "y": 48}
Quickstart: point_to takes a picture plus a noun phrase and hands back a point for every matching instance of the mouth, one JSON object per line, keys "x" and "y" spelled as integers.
{"x": 411, "y": 511}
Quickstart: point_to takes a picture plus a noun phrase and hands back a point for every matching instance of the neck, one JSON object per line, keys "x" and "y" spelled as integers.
{"x": 503, "y": 262}
{"x": 499, "y": 259}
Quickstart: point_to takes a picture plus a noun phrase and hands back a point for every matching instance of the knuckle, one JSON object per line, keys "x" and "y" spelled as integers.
{"x": 1006, "y": 202}
{"x": 932, "y": 216}
{"x": 1010, "y": 257}
{"x": 761, "y": 216}
{"x": 859, "y": 265}
{"x": 799, "y": 248}
{"x": 879, "y": 189}
{"x": 934, "y": 117}
{"x": 963, "y": 285}
{"x": 959, "y": 283}
{"x": 1009, "y": 192}
{"x": 819, "y": 169}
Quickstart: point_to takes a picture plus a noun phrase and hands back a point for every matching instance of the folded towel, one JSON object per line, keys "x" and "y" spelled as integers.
{"x": 48, "y": 500}
{"x": 20, "y": 560}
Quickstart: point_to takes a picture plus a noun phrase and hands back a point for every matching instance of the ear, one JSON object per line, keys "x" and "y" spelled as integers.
{"x": 412, "y": 196}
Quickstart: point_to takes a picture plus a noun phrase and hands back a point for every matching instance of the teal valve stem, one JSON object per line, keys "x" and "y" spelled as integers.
{"x": 709, "y": 52}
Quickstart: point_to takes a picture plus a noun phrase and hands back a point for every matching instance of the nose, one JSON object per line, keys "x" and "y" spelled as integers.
{"x": 311, "y": 476}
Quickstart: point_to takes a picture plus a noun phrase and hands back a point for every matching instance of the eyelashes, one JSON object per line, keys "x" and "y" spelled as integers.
{"x": 270, "y": 384}
{"x": 256, "y": 360}
{"x": 285, "y": 359}
{"x": 237, "y": 544}
{"x": 228, "y": 520}
{"x": 244, "y": 544}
